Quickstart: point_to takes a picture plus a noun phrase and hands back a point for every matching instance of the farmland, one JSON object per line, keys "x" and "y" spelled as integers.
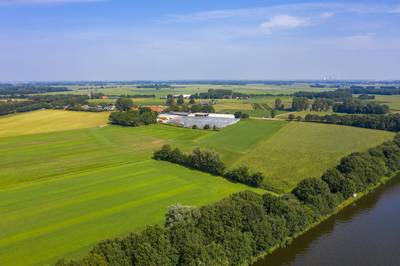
{"x": 49, "y": 121}
{"x": 61, "y": 192}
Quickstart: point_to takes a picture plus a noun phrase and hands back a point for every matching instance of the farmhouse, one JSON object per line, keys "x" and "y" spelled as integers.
{"x": 199, "y": 120}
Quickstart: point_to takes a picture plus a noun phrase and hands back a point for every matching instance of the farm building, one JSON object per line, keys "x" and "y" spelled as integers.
{"x": 197, "y": 119}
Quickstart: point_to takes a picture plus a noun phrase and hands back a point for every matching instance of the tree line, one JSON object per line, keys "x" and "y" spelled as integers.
{"x": 338, "y": 94}
{"x": 210, "y": 162}
{"x": 351, "y": 106}
{"x": 180, "y": 105}
{"x": 42, "y": 102}
{"x": 389, "y": 122}
{"x": 237, "y": 229}
{"x": 382, "y": 90}
{"x": 16, "y": 91}
{"x": 356, "y": 106}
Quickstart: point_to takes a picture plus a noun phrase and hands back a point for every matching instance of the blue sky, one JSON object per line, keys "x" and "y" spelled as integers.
{"x": 202, "y": 39}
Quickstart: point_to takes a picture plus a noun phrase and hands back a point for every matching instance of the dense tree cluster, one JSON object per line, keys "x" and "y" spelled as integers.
{"x": 245, "y": 225}
{"x": 153, "y": 86}
{"x": 321, "y": 104}
{"x": 300, "y": 104}
{"x": 389, "y": 122}
{"x": 356, "y": 106}
{"x": 42, "y": 102}
{"x": 337, "y": 94}
{"x": 124, "y": 104}
{"x": 179, "y": 105}
{"x": 383, "y": 90}
{"x": 243, "y": 175}
{"x": 228, "y": 94}
{"x": 15, "y": 91}
{"x": 208, "y": 161}
{"x": 20, "y": 107}
{"x": 132, "y": 118}
{"x": 279, "y": 104}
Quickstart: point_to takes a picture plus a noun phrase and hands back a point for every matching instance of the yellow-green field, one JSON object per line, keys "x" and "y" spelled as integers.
{"x": 61, "y": 192}
{"x": 49, "y": 121}
{"x": 301, "y": 150}
{"x": 393, "y": 101}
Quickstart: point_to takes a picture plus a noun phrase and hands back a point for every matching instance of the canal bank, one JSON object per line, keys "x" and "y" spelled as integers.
{"x": 366, "y": 231}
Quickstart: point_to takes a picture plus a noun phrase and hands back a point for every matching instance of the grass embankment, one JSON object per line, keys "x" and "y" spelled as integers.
{"x": 49, "y": 121}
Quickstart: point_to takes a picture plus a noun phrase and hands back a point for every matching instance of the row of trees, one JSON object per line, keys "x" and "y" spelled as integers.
{"x": 389, "y": 122}
{"x": 382, "y": 90}
{"x": 20, "y": 90}
{"x": 338, "y": 94}
{"x": 356, "y": 106}
{"x": 245, "y": 225}
{"x": 42, "y": 102}
{"x": 210, "y": 162}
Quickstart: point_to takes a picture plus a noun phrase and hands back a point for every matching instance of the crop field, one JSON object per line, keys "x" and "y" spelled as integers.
{"x": 49, "y": 121}
{"x": 61, "y": 192}
{"x": 299, "y": 150}
{"x": 194, "y": 88}
{"x": 72, "y": 189}
{"x": 393, "y": 101}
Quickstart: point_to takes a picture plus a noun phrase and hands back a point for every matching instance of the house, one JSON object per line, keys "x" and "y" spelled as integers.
{"x": 154, "y": 108}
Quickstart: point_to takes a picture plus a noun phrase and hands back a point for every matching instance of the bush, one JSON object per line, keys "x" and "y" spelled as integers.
{"x": 242, "y": 175}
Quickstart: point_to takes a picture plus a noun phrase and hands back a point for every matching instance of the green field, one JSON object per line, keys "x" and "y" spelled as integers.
{"x": 393, "y": 101}
{"x": 61, "y": 192}
{"x": 193, "y": 88}
{"x": 49, "y": 121}
{"x": 301, "y": 150}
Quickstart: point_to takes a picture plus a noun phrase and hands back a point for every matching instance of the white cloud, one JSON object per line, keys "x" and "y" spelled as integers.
{"x": 44, "y": 2}
{"x": 327, "y": 15}
{"x": 285, "y": 22}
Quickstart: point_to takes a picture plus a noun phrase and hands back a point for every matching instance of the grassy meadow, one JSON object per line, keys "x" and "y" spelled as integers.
{"x": 63, "y": 191}
{"x": 49, "y": 121}
{"x": 301, "y": 150}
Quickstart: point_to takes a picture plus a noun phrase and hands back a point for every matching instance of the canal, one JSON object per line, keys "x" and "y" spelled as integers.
{"x": 365, "y": 233}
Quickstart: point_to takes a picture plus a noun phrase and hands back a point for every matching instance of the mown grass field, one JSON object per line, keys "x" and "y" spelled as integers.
{"x": 49, "y": 121}
{"x": 61, "y": 192}
{"x": 301, "y": 150}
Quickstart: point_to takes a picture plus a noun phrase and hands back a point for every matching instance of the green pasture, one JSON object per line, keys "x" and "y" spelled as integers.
{"x": 393, "y": 101}
{"x": 193, "y": 88}
{"x": 49, "y": 121}
{"x": 61, "y": 192}
{"x": 299, "y": 150}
